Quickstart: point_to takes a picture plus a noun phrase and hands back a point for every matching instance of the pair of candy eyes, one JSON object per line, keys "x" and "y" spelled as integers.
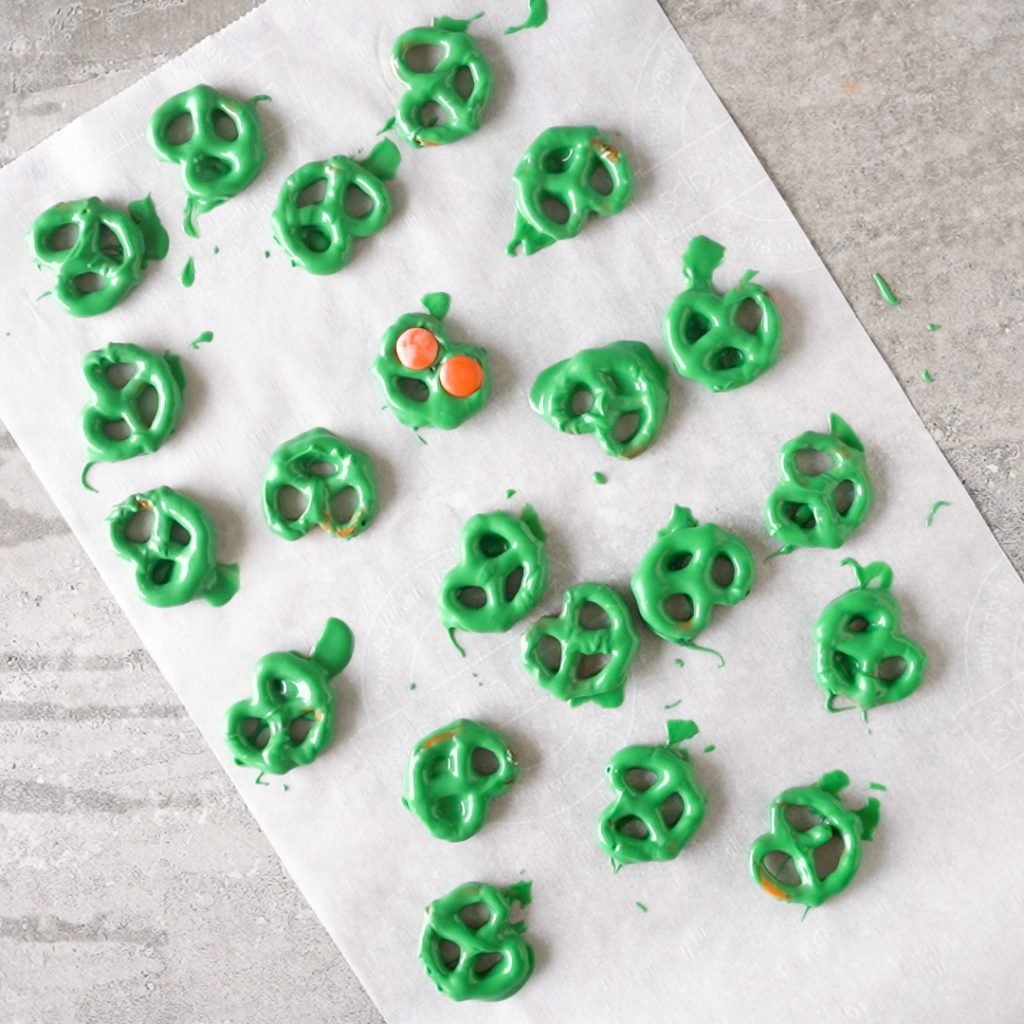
{"x": 460, "y": 375}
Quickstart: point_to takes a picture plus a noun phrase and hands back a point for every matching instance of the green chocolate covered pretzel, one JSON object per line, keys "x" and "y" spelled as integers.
{"x": 320, "y": 466}
{"x": 290, "y": 721}
{"x": 618, "y": 393}
{"x": 177, "y": 562}
{"x": 558, "y": 170}
{"x": 491, "y": 960}
{"x": 795, "y": 877}
{"x": 221, "y": 153}
{"x": 594, "y": 657}
{"x": 858, "y": 637}
{"x": 450, "y": 781}
{"x": 703, "y": 334}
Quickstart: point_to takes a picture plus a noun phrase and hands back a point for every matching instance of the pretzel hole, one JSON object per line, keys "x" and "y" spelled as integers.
{"x": 800, "y": 817}
{"x": 727, "y": 359}
{"x": 695, "y": 326}
{"x": 423, "y": 57}
{"x": 464, "y": 82}
{"x": 748, "y": 316}
{"x": 299, "y": 729}
{"x": 475, "y": 915}
{"x": 117, "y": 430}
{"x": 484, "y": 963}
{"x": 139, "y": 528}
{"x": 800, "y": 514}
{"x": 147, "y": 403}
{"x": 179, "y": 535}
{"x": 844, "y": 665}
{"x": 179, "y": 130}
{"x": 63, "y": 238}
{"x": 593, "y": 616}
{"x": 828, "y": 855}
{"x": 890, "y": 669}
{"x": 679, "y": 608}
{"x": 291, "y": 503}
{"x": 321, "y": 469}
{"x": 723, "y": 571}
{"x": 358, "y": 204}
{"x": 555, "y": 161}
{"x": 110, "y": 244}
{"x": 626, "y": 427}
{"x": 87, "y": 284}
{"x": 554, "y": 209}
{"x": 671, "y": 810}
{"x": 493, "y": 544}
{"x": 581, "y": 401}
{"x": 161, "y": 572}
{"x": 513, "y": 581}
{"x": 278, "y": 687}
{"x": 844, "y": 497}
{"x": 812, "y": 462}
{"x": 449, "y": 954}
{"x": 471, "y": 597}
{"x": 224, "y": 126}
{"x": 255, "y": 732}
{"x": 118, "y": 374}
{"x": 858, "y": 624}
{"x": 549, "y": 653}
{"x": 601, "y": 181}
{"x": 640, "y": 779}
{"x": 631, "y": 827}
{"x": 431, "y": 114}
{"x": 413, "y": 388}
{"x": 780, "y": 867}
{"x": 314, "y": 239}
{"x": 590, "y": 665}
{"x": 344, "y": 505}
{"x": 484, "y": 761}
{"x": 312, "y": 195}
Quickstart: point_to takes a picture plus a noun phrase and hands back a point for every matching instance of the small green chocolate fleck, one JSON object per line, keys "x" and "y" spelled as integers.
{"x": 216, "y": 250}
{"x": 640, "y": 906}
{"x": 497, "y": 938}
{"x": 204, "y": 339}
{"x": 561, "y": 163}
{"x": 616, "y": 644}
{"x": 709, "y": 748}
{"x": 858, "y": 637}
{"x": 290, "y": 688}
{"x": 674, "y": 704}
{"x": 412, "y": 686}
{"x": 600, "y": 478}
{"x": 884, "y": 290}
{"x": 510, "y": 493}
{"x": 931, "y": 328}
{"x": 266, "y": 254}
{"x": 679, "y": 663}
{"x": 259, "y": 780}
{"x": 444, "y": 790}
{"x": 878, "y": 786}
{"x": 927, "y": 377}
{"x": 681, "y": 729}
{"x": 935, "y": 508}
{"x": 188, "y": 273}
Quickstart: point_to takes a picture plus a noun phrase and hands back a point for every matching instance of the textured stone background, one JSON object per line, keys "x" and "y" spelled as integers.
{"x": 133, "y": 885}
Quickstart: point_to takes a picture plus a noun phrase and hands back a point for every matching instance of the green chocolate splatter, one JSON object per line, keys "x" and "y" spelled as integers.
{"x": 538, "y": 14}
{"x": 927, "y": 377}
{"x": 884, "y": 290}
{"x": 156, "y": 241}
{"x": 935, "y": 508}
{"x": 679, "y": 663}
{"x": 188, "y": 273}
{"x": 204, "y": 339}
{"x": 216, "y": 250}
{"x": 640, "y": 906}
{"x": 931, "y": 328}
{"x": 510, "y": 493}
{"x": 709, "y": 748}
{"x": 878, "y": 786}
{"x": 600, "y": 478}
{"x": 266, "y": 254}
{"x": 674, "y": 704}
{"x": 412, "y": 686}
{"x": 259, "y": 780}
{"x": 680, "y": 729}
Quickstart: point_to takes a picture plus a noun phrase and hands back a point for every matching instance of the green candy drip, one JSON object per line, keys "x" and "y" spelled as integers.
{"x": 105, "y": 253}
{"x": 142, "y": 430}
{"x": 446, "y": 788}
{"x": 560, "y": 166}
{"x": 188, "y": 273}
{"x": 290, "y": 721}
{"x": 824, "y": 802}
{"x": 320, "y": 466}
{"x": 680, "y": 569}
{"x": 802, "y": 510}
{"x": 459, "y": 115}
{"x": 594, "y": 660}
{"x": 416, "y": 394}
{"x": 501, "y": 575}
{"x": 204, "y": 338}
{"x": 538, "y": 14}
{"x": 177, "y": 562}
{"x": 706, "y": 342}
{"x": 214, "y": 166}
{"x": 856, "y": 635}
{"x": 497, "y": 936}
{"x": 319, "y": 235}
{"x": 638, "y": 826}
{"x": 885, "y": 291}
{"x": 618, "y": 384}
{"x": 929, "y": 519}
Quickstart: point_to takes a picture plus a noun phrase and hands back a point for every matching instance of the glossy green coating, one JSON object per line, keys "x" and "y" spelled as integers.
{"x": 501, "y": 575}
{"x": 683, "y": 563}
{"x": 105, "y": 247}
{"x": 320, "y": 466}
{"x": 821, "y": 801}
{"x": 592, "y": 391}
{"x": 459, "y": 115}
{"x": 537, "y": 16}
{"x": 214, "y": 165}
{"x": 637, "y": 826}
{"x": 702, "y": 330}
{"x": 141, "y": 428}
{"x": 885, "y": 291}
{"x": 444, "y": 784}
{"x": 802, "y": 510}
{"x": 594, "y": 659}
{"x": 560, "y": 166}
{"x": 416, "y": 394}
{"x": 177, "y": 562}
{"x": 318, "y": 235}
{"x": 496, "y": 936}
{"x": 290, "y": 721}
{"x": 856, "y": 634}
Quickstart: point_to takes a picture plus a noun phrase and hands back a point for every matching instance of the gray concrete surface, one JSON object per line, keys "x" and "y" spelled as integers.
{"x": 133, "y": 885}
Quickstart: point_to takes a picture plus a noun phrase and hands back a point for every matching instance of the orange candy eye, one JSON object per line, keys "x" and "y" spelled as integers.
{"x": 462, "y": 376}
{"x": 416, "y": 348}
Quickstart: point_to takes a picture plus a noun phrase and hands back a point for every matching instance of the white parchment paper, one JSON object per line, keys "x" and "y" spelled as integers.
{"x": 927, "y": 931}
